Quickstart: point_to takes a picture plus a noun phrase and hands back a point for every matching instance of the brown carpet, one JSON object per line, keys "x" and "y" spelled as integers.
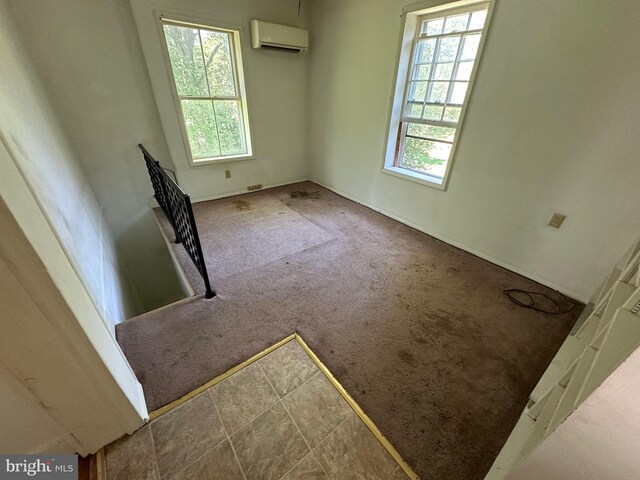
{"x": 417, "y": 331}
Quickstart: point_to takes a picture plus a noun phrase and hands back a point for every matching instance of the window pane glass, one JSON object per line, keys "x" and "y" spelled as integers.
{"x": 443, "y": 71}
{"x": 457, "y": 23}
{"x": 217, "y": 54}
{"x": 433, "y": 27}
{"x": 431, "y": 131}
{"x": 432, "y": 112}
{"x": 426, "y": 156}
{"x": 421, "y": 72}
{"x": 452, "y": 114}
{"x": 414, "y": 110}
{"x": 477, "y": 19}
{"x": 185, "y": 54}
{"x": 470, "y": 47}
{"x": 448, "y": 49}
{"x": 417, "y": 91}
{"x": 200, "y": 123}
{"x": 438, "y": 92}
{"x": 464, "y": 70}
{"x": 425, "y": 49}
{"x": 458, "y": 92}
{"x": 229, "y": 126}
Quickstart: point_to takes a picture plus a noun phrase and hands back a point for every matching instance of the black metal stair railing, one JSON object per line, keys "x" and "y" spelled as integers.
{"x": 176, "y": 205}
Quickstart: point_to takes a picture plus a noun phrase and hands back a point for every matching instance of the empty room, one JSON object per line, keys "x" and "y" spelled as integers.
{"x": 319, "y": 239}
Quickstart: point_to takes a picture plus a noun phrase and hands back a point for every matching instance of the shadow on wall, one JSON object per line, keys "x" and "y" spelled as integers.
{"x": 142, "y": 252}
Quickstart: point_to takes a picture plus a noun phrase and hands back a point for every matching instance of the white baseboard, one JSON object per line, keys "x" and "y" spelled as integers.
{"x": 242, "y": 192}
{"x": 444, "y": 238}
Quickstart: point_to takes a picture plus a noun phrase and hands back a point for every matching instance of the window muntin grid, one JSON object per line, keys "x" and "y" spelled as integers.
{"x": 445, "y": 51}
{"x": 444, "y": 54}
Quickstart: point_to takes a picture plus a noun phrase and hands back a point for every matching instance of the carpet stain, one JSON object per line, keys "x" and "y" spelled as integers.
{"x": 407, "y": 357}
{"x": 241, "y": 205}
{"x": 441, "y": 362}
{"x": 304, "y": 194}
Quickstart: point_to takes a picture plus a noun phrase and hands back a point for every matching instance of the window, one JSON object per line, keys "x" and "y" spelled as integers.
{"x": 434, "y": 89}
{"x": 206, "y": 69}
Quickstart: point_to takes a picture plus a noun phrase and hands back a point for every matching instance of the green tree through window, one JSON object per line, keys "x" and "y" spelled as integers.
{"x": 205, "y": 78}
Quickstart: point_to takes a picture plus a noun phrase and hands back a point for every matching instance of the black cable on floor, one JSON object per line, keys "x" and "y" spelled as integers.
{"x": 531, "y": 304}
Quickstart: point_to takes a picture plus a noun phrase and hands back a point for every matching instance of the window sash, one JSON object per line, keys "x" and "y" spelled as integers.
{"x": 447, "y": 12}
{"x": 205, "y": 97}
{"x": 424, "y": 36}
{"x": 431, "y": 78}
{"x": 239, "y": 98}
{"x": 405, "y": 120}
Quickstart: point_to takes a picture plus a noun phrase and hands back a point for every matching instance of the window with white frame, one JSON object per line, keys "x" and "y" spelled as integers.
{"x": 434, "y": 90}
{"x": 206, "y": 70}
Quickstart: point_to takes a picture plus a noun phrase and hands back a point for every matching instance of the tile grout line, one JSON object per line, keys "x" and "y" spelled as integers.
{"x": 279, "y": 399}
{"x": 261, "y": 413}
{"x": 197, "y": 459}
{"x": 394, "y": 472}
{"x": 252, "y": 419}
{"x": 293, "y": 468}
{"x": 204, "y": 454}
{"x": 352, "y": 411}
{"x": 330, "y": 433}
{"x": 305, "y": 440}
{"x": 228, "y": 436}
{"x": 292, "y": 391}
{"x": 299, "y": 386}
{"x": 337, "y": 427}
{"x": 294, "y": 422}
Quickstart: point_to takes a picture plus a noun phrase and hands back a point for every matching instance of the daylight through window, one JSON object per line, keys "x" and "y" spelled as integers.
{"x": 444, "y": 53}
{"x": 208, "y": 85}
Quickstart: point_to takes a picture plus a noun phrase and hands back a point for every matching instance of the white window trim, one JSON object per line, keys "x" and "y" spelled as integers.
{"x": 181, "y": 20}
{"x": 411, "y": 19}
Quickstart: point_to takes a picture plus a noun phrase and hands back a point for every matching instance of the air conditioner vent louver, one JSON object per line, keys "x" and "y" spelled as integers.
{"x": 280, "y": 48}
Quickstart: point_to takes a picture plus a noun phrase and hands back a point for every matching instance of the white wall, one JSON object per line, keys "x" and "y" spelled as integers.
{"x": 89, "y": 58}
{"x": 545, "y": 131}
{"x": 59, "y": 365}
{"x": 25, "y": 427}
{"x": 277, "y": 94}
{"x": 41, "y": 151}
{"x": 96, "y": 74}
{"x": 549, "y": 128}
{"x": 600, "y": 440}
{"x": 60, "y": 289}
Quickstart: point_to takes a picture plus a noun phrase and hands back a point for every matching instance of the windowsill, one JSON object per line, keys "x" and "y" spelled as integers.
{"x": 421, "y": 178}
{"x": 214, "y": 161}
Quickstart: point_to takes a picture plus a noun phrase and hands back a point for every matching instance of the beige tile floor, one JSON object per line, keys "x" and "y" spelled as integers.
{"x": 277, "y": 418}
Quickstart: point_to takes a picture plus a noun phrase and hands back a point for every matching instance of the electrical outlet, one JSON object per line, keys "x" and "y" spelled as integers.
{"x": 227, "y": 174}
{"x": 556, "y": 220}
{"x": 257, "y": 186}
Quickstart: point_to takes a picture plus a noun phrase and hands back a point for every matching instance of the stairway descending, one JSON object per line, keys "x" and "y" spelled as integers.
{"x": 608, "y": 335}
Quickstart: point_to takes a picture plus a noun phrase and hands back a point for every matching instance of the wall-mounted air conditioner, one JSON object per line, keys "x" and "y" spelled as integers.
{"x": 279, "y": 37}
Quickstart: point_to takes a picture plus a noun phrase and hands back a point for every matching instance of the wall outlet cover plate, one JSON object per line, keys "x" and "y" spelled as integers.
{"x": 556, "y": 220}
